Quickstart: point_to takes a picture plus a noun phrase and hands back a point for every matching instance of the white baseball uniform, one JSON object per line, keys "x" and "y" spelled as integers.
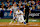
{"x": 20, "y": 17}
{"x": 14, "y": 10}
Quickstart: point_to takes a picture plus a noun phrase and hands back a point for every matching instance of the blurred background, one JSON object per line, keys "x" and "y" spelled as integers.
{"x": 34, "y": 8}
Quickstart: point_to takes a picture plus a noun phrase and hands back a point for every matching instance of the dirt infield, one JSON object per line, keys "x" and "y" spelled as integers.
{"x": 31, "y": 24}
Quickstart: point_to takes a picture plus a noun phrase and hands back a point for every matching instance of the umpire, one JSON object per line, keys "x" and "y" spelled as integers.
{"x": 27, "y": 13}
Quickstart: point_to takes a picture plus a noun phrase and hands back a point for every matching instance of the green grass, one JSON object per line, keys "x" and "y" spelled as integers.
{"x": 6, "y": 20}
{"x": 34, "y": 20}
{"x": 9, "y": 20}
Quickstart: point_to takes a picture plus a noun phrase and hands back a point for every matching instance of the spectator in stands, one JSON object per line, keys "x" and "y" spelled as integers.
{"x": 33, "y": 7}
{"x": 30, "y": 2}
{"x": 25, "y": 2}
{"x": 7, "y": 1}
{"x": 8, "y": 4}
{"x": 37, "y": 4}
{"x": 21, "y": 7}
{"x": 38, "y": 7}
{"x": 10, "y": 8}
{"x": 2, "y": 8}
{"x": 33, "y": 2}
{"x": 30, "y": 8}
{"x": 19, "y": 2}
{"x": 29, "y": 11}
{"x": 13, "y": 1}
{"x": 38, "y": 1}
{"x": 14, "y": 4}
{"x": 2, "y": 3}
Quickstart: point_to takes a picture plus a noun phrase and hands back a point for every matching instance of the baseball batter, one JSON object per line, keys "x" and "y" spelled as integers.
{"x": 19, "y": 15}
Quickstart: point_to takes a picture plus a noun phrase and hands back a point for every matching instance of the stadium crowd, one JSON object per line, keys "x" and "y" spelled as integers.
{"x": 33, "y": 5}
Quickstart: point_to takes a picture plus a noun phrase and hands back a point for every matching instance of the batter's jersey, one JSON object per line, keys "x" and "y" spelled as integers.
{"x": 18, "y": 13}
